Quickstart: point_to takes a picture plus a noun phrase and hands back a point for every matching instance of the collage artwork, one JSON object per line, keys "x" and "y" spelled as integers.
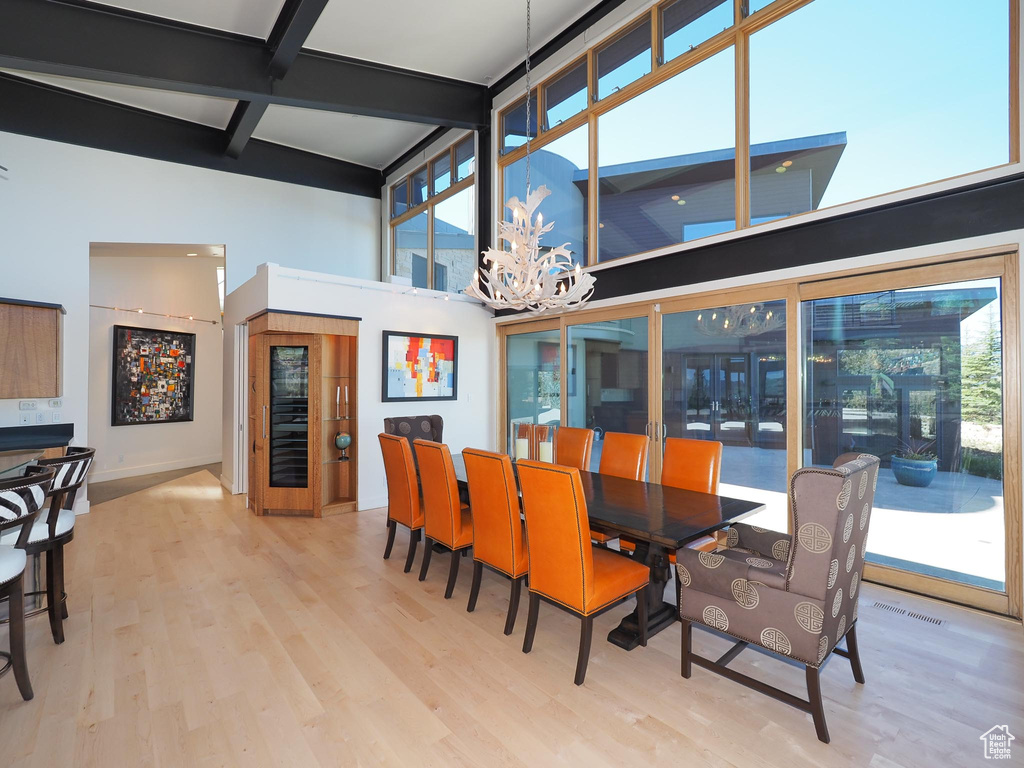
{"x": 153, "y": 376}
{"x": 419, "y": 367}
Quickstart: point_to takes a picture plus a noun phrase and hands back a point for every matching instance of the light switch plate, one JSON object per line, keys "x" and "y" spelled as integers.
{"x": 24, "y": 418}
{"x": 27, "y": 405}
{"x": 55, "y": 417}
{"x": 55, "y": 403}
{"x": 40, "y": 417}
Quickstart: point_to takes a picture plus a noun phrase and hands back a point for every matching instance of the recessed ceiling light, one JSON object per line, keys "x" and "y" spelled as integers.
{"x": 675, "y": 197}
{"x": 680, "y": 202}
{"x": 600, "y": 225}
{"x": 191, "y": 254}
{"x": 780, "y": 169}
{"x": 787, "y": 163}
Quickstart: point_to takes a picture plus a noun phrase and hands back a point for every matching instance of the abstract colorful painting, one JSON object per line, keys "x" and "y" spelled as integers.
{"x": 153, "y": 376}
{"x": 419, "y": 367}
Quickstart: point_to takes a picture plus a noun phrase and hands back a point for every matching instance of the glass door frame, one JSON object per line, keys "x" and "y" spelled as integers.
{"x": 990, "y": 262}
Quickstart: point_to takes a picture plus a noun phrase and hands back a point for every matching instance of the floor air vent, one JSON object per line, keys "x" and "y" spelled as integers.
{"x": 922, "y": 617}
{"x": 892, "y": 608}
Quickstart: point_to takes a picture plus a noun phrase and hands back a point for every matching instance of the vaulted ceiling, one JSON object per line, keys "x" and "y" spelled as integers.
{"x": 323, "y": 92}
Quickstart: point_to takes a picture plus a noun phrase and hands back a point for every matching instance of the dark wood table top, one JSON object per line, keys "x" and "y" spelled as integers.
{"x": 666, "y": 516}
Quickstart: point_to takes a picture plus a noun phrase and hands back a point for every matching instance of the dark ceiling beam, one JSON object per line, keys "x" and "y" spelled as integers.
{"x": 97, "y": 43}
{"x": 42, "y": 111}
{"x": 555, "y": 44}
{"x": 289, "y": 34}
{"x": 290, "y": 31}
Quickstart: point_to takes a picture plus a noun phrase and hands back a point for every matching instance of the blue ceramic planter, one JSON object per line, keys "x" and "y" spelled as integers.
{"x": 914, "y": 472}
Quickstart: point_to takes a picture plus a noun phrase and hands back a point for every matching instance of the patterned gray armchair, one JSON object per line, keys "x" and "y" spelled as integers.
{"x": 797, "y": 599}
{"x": 415, "y": 428}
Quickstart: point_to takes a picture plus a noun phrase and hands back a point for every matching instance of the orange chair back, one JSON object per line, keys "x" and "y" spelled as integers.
{"x": 494, "y": 498}
{"x": 572, "y": 447}
{"x": 557, "y": 532}
{"x": 403, "y": 490}
{"x": 624, "y": 455}
{"x": 693, "y": 465}
{"x": 442, "y": 510}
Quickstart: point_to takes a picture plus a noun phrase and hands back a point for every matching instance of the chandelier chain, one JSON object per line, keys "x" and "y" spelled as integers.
{"x": 529, "y": 130}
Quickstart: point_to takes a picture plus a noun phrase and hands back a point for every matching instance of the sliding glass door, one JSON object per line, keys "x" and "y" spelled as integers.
{"x": 608, "y": 384}
{"x": 915, "y": 376}
{"x": 918, "y": 365}
{"x": 723, "y": 378}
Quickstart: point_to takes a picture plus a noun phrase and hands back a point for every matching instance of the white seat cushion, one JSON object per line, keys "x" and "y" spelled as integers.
{"x": 40, "y": 529}
{"x": 12, "y": 563}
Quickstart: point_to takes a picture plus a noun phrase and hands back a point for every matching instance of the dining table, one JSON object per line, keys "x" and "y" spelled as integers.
{"x": 661, "y": 520}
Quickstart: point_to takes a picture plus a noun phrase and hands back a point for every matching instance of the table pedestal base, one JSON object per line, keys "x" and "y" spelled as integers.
{"x": 659, "y": 613}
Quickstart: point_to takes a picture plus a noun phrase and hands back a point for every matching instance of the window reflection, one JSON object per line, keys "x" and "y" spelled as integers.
{"x": 686, "y": 24}
{"x": 624, "y": 60}
{"x": 411, "y": 249}
{"x": 455, "y": 241}
{"x": 565, "y": 96}
{"x": 533, "y": 380}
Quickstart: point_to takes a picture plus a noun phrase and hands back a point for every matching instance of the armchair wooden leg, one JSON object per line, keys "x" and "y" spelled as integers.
{"x": 513, "y": 605}
{"x": 414, "y": 537}
{"x": 428, "y": 548}
{"x": 854, "y": 649}
{"x": 586, "y": 633}
{"x": 531, "y": 622}
{"x": 53, "y": 598}
{"x": 817, "y": 710}
{"x": 474, "y": 590}
{"x": 685, "y": 669}
{"x": 61, "y": 590}
{"x": 392, "y": 527}
{"x": 16, "y": 606}
{"x": 453, "y": 574}
{"x": 641, "y": 614}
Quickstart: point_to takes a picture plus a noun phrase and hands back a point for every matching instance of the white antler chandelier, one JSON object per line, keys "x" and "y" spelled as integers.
{"x": 523, "y": 278}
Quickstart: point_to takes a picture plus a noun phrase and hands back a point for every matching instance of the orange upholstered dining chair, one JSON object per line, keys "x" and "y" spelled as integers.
{"x": 693, "y": 465}
{"x": 447, "y": 521}
{"x": 572, "y": 447}
{"x": 403, "y": 493}
{"x": 566, "y": 570}
{"x": 622, "y": 455}
{"x": 499, "y": 534}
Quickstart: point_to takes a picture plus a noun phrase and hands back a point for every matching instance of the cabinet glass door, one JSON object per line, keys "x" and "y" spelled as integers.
{"x": 289, "y": 417}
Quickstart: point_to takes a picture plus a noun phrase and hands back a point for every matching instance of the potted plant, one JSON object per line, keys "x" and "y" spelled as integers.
{"x": 915, "y": 465}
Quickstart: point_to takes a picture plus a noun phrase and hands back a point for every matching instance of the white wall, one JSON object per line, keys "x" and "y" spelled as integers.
{"x": 468, "y": 421}
{"x": 167, "y": 285}
{"x": 57, "y": 198}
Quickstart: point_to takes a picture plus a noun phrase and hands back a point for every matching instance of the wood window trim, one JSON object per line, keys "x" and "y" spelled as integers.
{"x": 738, "y": 35}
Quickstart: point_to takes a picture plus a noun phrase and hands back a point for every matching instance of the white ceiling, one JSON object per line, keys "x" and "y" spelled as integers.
{"x": 207, "y": 110}
{"x": 247, "y": 17}
{"x": 154, "y": 250}
{"x": 364, "y": 140}
{"x": 475, "y": 40}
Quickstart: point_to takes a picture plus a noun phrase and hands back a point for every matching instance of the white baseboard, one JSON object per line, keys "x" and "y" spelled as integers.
{"x": 227, "y": 483}
{"x": 82, "y": 507}
{"x": 149, "y": 469}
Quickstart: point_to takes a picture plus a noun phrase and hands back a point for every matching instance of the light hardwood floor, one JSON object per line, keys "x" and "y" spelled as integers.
{"x": 200, "y": 635}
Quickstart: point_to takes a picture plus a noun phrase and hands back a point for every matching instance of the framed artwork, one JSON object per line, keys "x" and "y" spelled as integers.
{"x": 153, "y": 376}
{"x": 418, "y": 367}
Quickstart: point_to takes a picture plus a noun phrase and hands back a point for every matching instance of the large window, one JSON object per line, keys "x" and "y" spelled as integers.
{"x": 715, "y": 115}
{"x": 664, "y": 179}
{"x": 433, "y": 221}
{"x": 562, "y": 166}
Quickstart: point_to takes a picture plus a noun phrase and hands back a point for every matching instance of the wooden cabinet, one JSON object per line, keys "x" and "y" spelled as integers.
{"x": 30, "y": 349}
{"x": 302, "y": 392}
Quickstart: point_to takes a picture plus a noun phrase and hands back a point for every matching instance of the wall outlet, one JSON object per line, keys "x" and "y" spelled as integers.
{"x": 24, "y": 418}
{"x": 55, "y": 417}
{"x": 56, "y": 403}
{"x": 120, "y": 459}
{"x": 40, "y": 417}
{"x": 27, "y": 405}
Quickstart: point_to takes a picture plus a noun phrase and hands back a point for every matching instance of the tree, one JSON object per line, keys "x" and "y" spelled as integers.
{"x": 982, "y": 378}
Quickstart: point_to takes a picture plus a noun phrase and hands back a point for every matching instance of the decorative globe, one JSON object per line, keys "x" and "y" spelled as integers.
{"x": 343, "y": 440}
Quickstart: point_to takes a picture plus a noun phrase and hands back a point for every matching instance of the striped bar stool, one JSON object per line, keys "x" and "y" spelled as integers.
{"x": 20, "y": 501}
{"x": 51, "y": 532}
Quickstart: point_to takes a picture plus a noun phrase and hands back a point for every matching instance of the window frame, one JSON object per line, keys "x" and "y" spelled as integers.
{"x": 432, "y": 199}
{"x": 738, "y": 37}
